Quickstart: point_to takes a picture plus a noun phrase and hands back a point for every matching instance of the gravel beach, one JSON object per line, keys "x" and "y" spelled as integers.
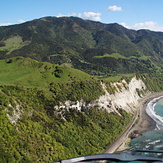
{"x": 144, "y": 124}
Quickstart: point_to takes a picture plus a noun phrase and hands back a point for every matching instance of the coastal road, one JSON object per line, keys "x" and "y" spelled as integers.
{"x": 139, "y": 114}
{"x": 122, "y": 138}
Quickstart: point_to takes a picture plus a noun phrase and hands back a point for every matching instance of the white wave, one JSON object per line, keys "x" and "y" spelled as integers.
{"x": 154, "y": 142}
{"x": 147, "y": 146}
{"x": 159, "y": 146}
{"x": 151, "y": 112}
{"x": 146, "y": 141}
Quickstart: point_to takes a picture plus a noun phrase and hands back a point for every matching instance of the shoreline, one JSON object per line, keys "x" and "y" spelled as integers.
{"x": 145, "y": 123}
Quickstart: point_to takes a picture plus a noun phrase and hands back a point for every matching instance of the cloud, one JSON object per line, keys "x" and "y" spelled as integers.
{"x": 72, "y": 14}
{"x": 114, "y": 8}
{"x": 92, "y": 15}
{"x": 9, "y": 23}
{"x": 96, "y": 16}
{"x": 21, "y": 21}
{"x": 5, "y": 24}
{"x": 125, "y": 25}
{"x": 150, "y": 25}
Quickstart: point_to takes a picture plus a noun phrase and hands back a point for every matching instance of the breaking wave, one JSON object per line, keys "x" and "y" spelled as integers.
{"x": 150, "y": 109}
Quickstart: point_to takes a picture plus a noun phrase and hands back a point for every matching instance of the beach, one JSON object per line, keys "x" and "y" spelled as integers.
{"x": 143, "y": 123}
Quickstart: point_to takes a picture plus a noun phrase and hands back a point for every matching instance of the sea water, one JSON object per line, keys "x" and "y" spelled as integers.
{"x": 152, "y": 140}
{"x": 159, "y": 107}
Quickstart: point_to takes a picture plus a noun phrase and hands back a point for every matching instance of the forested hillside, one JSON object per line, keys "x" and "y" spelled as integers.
{"x": 94, "y": 47}
{"x": 33, "y": 130}
{"x": 38, "y": 134}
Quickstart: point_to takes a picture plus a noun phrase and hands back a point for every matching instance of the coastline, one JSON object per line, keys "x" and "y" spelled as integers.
{"x": 145, "y": 123}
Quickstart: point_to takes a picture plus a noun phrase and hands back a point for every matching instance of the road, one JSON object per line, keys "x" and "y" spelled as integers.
{"x": 122, "y": 138}
{"x": 141, "y": 114}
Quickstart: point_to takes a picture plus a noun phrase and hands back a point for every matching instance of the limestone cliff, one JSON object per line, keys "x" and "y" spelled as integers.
{"x": 126, "y": 96}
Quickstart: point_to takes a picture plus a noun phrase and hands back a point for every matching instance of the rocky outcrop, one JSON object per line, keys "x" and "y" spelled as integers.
{"x": 128, "y": 95}
{"x": 13, "y": 112}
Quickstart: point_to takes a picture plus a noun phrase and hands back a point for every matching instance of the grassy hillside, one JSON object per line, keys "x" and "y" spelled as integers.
{"x": 29, "y": 72}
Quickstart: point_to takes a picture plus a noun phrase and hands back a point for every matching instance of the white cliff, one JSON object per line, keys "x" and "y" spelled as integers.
{"x": 125, "y": 97}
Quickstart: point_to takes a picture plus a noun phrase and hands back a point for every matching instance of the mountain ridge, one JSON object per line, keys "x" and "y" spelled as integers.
{"x": 78, "y": 42}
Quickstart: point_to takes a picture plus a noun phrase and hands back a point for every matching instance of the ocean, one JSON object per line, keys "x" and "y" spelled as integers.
{"x": 152, "y": 140}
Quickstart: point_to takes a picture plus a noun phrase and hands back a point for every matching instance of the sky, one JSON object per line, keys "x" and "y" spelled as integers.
{"x": 132, "y": 14}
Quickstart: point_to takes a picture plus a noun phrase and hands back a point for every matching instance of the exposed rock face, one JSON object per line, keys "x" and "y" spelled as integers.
{"x": 78, "y": 105}
{"x": 127, "y": 96}
{"x": 14, "y": 112}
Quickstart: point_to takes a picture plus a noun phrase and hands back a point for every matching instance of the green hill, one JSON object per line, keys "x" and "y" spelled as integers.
{"x": 77, "y": 42}
{"x": 33, "y": 130}
{"x": 29, "y": 72}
